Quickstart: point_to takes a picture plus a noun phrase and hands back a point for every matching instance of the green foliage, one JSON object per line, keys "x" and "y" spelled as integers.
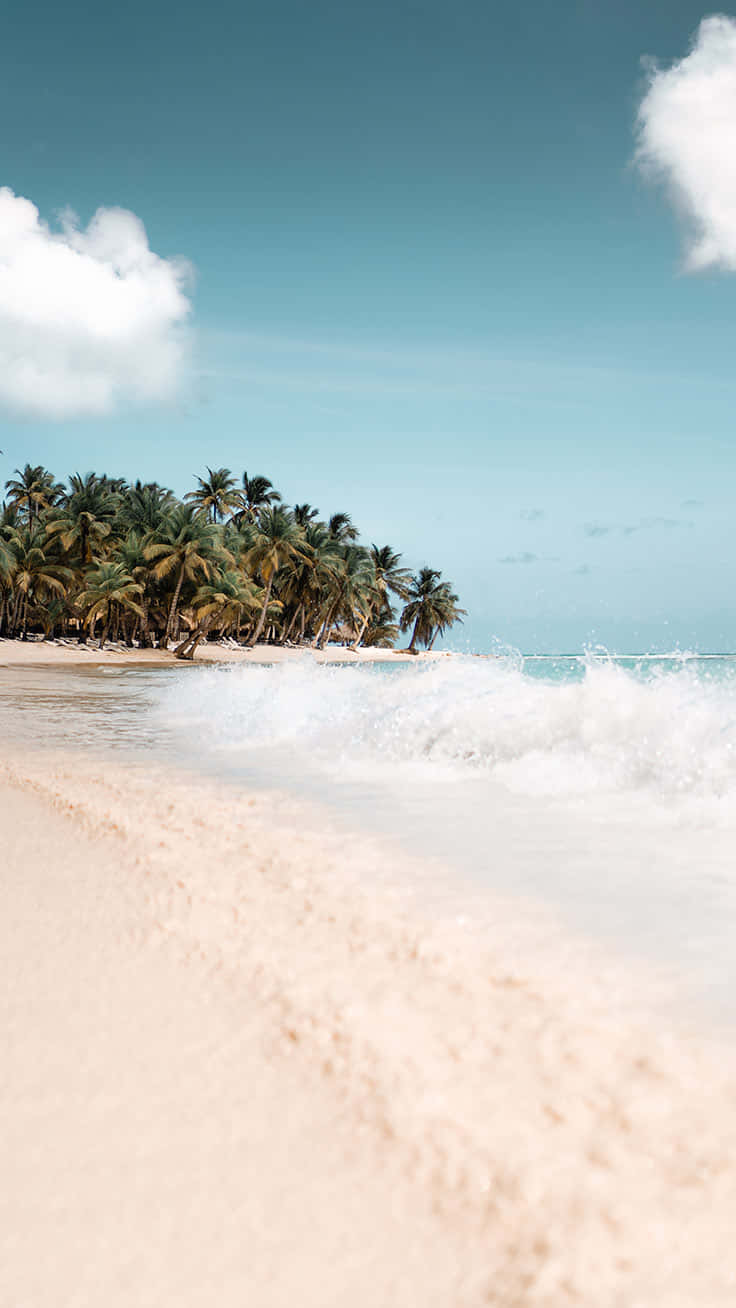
{"x": 230, "y": 559}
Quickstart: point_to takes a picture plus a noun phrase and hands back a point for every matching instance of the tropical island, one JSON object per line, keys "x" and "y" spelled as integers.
{"x": 99, "y": 558}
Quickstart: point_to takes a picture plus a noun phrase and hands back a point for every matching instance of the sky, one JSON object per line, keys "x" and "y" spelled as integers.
{"x": 465, "y": 271}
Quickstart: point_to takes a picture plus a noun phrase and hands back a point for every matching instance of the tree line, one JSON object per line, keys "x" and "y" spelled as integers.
{"x": 104, "y": 559}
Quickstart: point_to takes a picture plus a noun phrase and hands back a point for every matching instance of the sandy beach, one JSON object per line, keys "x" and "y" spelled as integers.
{"x": 247, "y": 1063}
{"x": 42, "y": 653}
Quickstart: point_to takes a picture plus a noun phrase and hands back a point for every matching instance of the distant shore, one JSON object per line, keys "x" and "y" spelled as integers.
{"x": 41, "y": 653}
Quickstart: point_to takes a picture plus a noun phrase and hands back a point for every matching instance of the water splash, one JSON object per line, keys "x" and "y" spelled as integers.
{"x": 664, "y": 728}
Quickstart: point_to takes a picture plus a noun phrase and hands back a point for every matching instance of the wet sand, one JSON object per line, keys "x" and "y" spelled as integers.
{"x": 244, "y": 1064}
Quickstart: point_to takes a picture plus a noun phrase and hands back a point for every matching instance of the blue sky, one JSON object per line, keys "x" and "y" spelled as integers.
{"x": 429, "y": 285}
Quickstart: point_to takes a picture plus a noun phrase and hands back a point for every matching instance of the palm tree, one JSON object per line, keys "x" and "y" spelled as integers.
{"x": 432, "y": 608}
{"x": 70, "y": 556}
{"x": 33, "y": 490}
{"x": 224, "y": 600}
{"x": 186, "y": 547}
{"x": 35, "y": 575}
{"x": 276, "y": 541}
{"x": 309, "y": 578}
{"x": 257, "y": 493}
{"x": 6, "y": 560}
{"x": 350, "y": 594}
{"x": 382, "y": 629}
{"x": 142, "y": 507}
{"x": 85, "y": 516}
{"x": 131, "y": 554}
{"x": 341, "y": 528}
{"x": 304, "y": 514}
{"x": 216, "y": 494}
{"x": 389, "y": 576}
{"x": 109, "y": 589}
{"x": 451, "y": 613}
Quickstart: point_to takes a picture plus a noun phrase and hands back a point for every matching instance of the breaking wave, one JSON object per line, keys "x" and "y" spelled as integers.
{"x": 667, "y": 729}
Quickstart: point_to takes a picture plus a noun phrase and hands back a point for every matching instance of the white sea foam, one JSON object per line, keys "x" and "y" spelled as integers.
{"x": 666, "y": 732}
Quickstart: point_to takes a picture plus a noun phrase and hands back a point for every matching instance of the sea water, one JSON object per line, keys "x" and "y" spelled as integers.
{"x": 604, "y": 787}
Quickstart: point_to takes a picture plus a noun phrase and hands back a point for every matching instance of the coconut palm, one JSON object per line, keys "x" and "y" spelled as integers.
{"x": 33, "y": 490}
{"x": 432, "y": 608}
{"x": 382, "y": 630}
{"x": 257, "y": 493}
{"x": 276, "y": 541}
{"x": 35, "y": 574}
{"x": 109, "y": 590}
{"x": 131, "y": 554}
{"x": 388, "y": 577}
{"x": 300, "y": 578}
{"x": 216, "y": 494}
{"x": 85, "y": 516}
{"x": 304, "y": 514}
{"x": 142, "y": 508}
{"x": 224, "y": 600}
{"x": 187, "y": 548}
{"x": 341, "y": 528}
{"x": 349, "y": 596}
{"x": 451, "y": 613}
{"x": 6, "y": 560}
{"x": 305, "y": 583}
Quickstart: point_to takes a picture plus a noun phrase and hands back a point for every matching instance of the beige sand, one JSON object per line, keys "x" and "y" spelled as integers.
{"x": 242, "y": 1067}
{"x": 41, "y": 653}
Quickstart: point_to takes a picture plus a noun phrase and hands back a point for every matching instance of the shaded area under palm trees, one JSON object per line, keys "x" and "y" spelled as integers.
{"x": 132, "y": 562}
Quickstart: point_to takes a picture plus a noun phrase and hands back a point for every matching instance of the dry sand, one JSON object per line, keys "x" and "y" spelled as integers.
{"x": 41, "y": 653}
{"x": 242, "y": 1066}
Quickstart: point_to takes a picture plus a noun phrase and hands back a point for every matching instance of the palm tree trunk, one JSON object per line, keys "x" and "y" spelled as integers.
{"x": 291, "y": 625}
{"x": 164, "y": 644}
{"x": 262, "y": 616}
{"x": 324, "y": 631}
{"x": 360, "y": 636}
{"x": 413, "y": 640}
{"x": 190, "y": 643}
{"x": 145, "y": 639}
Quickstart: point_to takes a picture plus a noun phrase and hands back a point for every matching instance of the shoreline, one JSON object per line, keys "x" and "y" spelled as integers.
{"x": 39, "y": 653}
{"x": 534, "y": 1142}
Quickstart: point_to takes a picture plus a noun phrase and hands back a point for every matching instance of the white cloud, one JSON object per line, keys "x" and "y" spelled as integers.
{"x": 90, "y": 318}
{"x": 687, "y": 137}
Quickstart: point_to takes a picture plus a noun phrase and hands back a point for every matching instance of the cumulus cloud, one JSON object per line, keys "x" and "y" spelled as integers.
{"x": 90, "y": 318}
{"x": 687, "y": 137}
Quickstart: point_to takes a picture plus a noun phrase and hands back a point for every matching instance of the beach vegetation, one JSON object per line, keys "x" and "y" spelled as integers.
{"x": 99, "y": 558}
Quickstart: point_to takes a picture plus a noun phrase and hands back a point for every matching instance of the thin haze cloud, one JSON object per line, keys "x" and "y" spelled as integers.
{"x": 597, "y": 530}
{"x": 90, "y": 318}
{"x": 687, "y": 135}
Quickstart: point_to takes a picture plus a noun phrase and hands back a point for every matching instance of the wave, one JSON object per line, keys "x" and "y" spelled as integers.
{"x": 667, "y": 729}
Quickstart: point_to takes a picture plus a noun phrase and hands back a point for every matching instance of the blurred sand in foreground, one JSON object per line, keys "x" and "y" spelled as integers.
{"x": 241, "y": 1067}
